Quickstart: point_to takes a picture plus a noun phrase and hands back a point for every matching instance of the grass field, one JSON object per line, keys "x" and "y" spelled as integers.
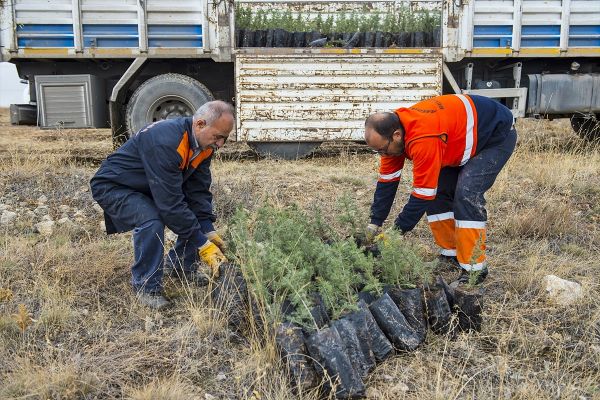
{"x": 70, "y": 327}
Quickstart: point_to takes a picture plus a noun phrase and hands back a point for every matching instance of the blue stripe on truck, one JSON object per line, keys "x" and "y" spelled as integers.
{"x": 110, "y": 35}
{"x": 540, "y": 36}
{"x": 175, "y": 36}
{"x": 492, "y": 35}
{"x": 584, "y": 36}
{"x": 45, "y": 35}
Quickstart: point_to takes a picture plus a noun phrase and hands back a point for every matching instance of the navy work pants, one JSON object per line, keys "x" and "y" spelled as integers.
{"x": 457, "y": 216}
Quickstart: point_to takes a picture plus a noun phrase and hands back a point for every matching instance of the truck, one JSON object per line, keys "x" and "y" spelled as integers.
{"x": 127, "y": 63}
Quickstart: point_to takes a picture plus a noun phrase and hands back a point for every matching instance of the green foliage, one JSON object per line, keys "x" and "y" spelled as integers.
{"x": 404, "y": 20}
{"x": 399, "y": 263}
{"x": 287, "y": 253}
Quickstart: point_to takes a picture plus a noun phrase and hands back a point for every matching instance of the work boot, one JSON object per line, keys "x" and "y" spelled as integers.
{"x": 465, "y": 275}
{"x": 449, "y": 261}
{"x": 154, "y": 300}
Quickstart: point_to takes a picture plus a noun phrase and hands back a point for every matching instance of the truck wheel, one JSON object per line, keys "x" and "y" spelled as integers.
{"x": 283, "y": 150}
{"x": 587, "y": 126}
{"x": 164, "y": 97}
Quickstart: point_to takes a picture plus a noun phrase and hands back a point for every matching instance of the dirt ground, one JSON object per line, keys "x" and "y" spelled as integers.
{"x": 70, "y": 327}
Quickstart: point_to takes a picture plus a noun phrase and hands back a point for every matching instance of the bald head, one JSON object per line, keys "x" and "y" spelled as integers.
{"x": 383, "y": 123}
{"x": 384, "y": 133}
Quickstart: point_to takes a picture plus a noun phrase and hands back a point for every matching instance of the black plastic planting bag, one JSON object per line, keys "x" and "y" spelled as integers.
{"x": 269, "y": 38}
{"x": 298, "y": 39}
{"x": 353, "y": 40}
{"x": 410, "y": 304}
{"x": 247, "y": 37}
{"x": 378, "y": 39}
{"x": 318, "y": 311}
{"x": 280, "y": 37}
{"x": 311, "y": 36}
{"x": 378, "y": 342}
{"x": 327, "y": 348}
{"x": 387, "y": 39}
{"x": 230, "y": 296}
{"x": 468, "y": 303}
{"x": 260, "y": 38}
{"x": 403, "y": 39}
{"x": 393, "y": 324}
{"x": 355, "y": 337}
{"x": 437, "y": 37}
{"x": 369, "y": 39}
{"x": 418, "y": 39}
{"x": 438, "y": 309}
{"x": 290, "y": 343}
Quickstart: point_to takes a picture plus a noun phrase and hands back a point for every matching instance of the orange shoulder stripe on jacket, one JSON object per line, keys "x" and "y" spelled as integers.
{"x": 184, "y": 150}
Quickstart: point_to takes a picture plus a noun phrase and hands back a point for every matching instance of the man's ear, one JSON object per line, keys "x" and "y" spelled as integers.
{"x": 200, "y": 123}
{"x": 397, "y": 134}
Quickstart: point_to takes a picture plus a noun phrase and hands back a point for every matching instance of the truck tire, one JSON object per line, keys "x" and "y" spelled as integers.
{"x": 164, "y": 97}
{"x": 587, "y": 126}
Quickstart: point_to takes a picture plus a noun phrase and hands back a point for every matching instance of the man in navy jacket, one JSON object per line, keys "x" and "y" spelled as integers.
{"x": 161, "y": 177}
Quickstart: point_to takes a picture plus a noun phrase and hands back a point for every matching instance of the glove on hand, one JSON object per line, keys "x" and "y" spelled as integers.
{"x": 217, "y": 240}
{"x": 210, "y": 254}
{"x": 371, "y": 232}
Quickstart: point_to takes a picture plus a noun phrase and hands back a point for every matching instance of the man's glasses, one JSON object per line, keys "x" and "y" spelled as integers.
{"x": 384, "y": 149}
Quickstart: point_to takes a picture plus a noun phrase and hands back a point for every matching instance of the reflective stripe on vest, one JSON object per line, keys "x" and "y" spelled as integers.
{"x": 469, "y": 133}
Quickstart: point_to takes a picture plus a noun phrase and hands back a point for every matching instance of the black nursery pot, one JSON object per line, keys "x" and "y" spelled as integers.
{"x": 289, "y": 339}
{"x": 280, "y": 37}
{"x": 378, "y": 39}
{"x": 403, "y": 39}
{"x": 230, "y": 295}
{"x": 369, "y": 39}
{"x": 438, "y": 309}
{"x": 381, "y": 347}
{"x": 387, "y": 39}
{"x": 236, "y": 39}
{"x": 410, "y": 303}
{"x": 298, "y": 39}
{"x": 437, "y": 37}
{"x": 311, "y": 37}
{"x": 269, "y": 38}
{"x": 418, "y": 39}
{"x": 327, "y": 348}
{"x": 260, "y": 38}
{"x": 468, "y": 303}
{"x": 318, "y": 311}
{"x": 247, "y": 37}
{"x": 393, "y": 324}
{"x": 353, "y": 331}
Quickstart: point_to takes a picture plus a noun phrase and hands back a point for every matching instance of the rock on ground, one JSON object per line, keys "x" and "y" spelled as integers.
{"x": 562, "y": 291}
{"x": 8, "y": 217}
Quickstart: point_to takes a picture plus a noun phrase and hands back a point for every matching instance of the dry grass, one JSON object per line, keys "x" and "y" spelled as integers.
{"x": 89, "y": 339}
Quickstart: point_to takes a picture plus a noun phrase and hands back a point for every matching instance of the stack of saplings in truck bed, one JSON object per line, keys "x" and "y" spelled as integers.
{"x": 284, "y": 29}
{"x": 335, "y": 308}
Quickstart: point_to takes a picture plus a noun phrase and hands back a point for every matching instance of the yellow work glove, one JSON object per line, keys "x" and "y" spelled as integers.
{"x": 371, "y": 233}
{"x": 216, "y": 239}
{"x": 210, "y": 254}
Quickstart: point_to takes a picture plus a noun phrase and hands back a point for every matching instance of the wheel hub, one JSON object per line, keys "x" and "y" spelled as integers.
{"x": 169, "y": 107}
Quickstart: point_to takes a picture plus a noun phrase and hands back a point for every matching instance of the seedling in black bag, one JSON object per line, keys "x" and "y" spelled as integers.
{"x": 393, "y": 324}
{"x": 289, "y": 339}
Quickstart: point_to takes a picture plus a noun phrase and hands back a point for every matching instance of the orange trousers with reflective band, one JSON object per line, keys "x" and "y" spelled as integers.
{"x": 457, "y": 216}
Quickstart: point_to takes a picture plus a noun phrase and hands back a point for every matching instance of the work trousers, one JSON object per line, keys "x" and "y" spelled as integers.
{"x": 457, "y": 216}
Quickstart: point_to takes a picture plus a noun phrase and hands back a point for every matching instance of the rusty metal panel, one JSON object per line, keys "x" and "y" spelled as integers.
{"x": 320, "y": 96}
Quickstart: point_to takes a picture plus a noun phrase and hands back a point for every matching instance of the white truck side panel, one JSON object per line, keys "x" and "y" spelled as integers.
{"x": 321, "y": 95}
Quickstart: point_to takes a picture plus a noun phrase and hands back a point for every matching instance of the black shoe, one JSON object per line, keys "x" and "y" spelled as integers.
{"x": 448, "y": 260}
{"x": 479, "y": 276}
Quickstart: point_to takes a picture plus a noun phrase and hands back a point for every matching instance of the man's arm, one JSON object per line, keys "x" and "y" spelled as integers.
{"x": 161, "y": 165}
{"x": 199, "y": 197}
{"x": 390, "y": 171}
{"x": 427, "y": 163}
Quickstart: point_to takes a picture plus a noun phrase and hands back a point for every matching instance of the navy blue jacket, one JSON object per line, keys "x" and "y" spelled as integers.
{"x": 164, "y": 162}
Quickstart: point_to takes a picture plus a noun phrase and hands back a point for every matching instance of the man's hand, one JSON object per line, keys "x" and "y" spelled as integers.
{"x": 210, "y": 254}
{"x": 216, "y": 239}
{"x": 371, "y": 232}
